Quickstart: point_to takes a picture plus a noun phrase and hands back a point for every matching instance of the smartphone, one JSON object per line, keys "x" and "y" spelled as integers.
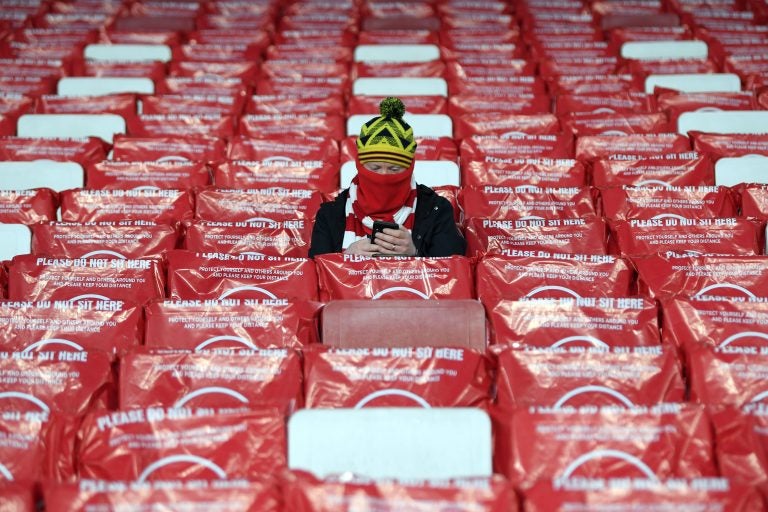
{"x": 379, "y": 225}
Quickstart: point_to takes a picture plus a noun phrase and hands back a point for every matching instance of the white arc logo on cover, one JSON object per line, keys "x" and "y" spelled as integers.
{"x": 392, "y": 392}
{"x": 248, "y": 289}
{"x": 26, "y": 396}
{"x": 759, "y": 397}
{"x": 216, "y": 339}
{"x": 52, "y": 341}
{"x": 103, "y": 252}
{"x": 646, "y": 183}
{"x": 668, "y": 216}
{"x": 724, "y": 285}
{"x": 173, "y": 459}
{"x": 746, "y": 334}
{"x": 589, "y": 339}
{"x": 400, "y": 289}
{"x": 593, "y": 389}
{"x": 173, "y": 158}
{"x": 208, "y": 391}
{"x": 267, "y": 220}
{"x": 88, "y": 296}
{"x": 614, "y": 454}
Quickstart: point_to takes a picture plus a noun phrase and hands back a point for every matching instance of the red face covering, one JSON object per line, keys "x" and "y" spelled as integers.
{"x": 381, "y": 195}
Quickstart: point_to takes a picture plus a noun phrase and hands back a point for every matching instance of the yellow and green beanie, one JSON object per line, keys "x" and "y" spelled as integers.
{"x": 387, "y": 138}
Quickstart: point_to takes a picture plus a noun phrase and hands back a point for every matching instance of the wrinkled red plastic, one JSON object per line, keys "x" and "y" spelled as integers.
{"x": 252, "y": 378}
{"x": 544, "y": 275}
{"x": 87, "y": 324}
{"x": 219, "y": 276}
{"x": 64, "y": 382}
{"x": 647, "y": 203}
{"x": 622, "y": 376}
{"x": 727, "y": 236}
{"x": 158, "y": 206}
{"x": 156, "y": 443}
{"x": 395, "y": 377}
{"x": 27, "y": 206}
{"x": 231, "y": 324}
{"x": 600, "y": 322}
{"x": 33, "y": 277}
{"x": 273, "y": 204}
{"x": 583, "y": 236}
{"x": 714, "y": 276}
{"x": 349, "y": 276}
{"x": 125, "y": 239}
{"x": 256, "y": 495}
{"x": 673, "y": 440}
{"x": 306, "y": 493}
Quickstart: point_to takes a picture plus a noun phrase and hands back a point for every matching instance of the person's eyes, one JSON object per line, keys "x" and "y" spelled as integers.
{"x": 395, "y": 169}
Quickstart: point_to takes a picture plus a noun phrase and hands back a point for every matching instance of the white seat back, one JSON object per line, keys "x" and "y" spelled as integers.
{"x": 660, "y": 50}
{"x": 432, "y": 173}
{"x": 730, "y": 121}
{"x": 396, "y": 53}
{"x": 101, "y": 86}
{"x": 743, "y": 169}
{"x": 426, "y": 125}
{"x": 44, "y": 126}
{"x": 391, "y": 442}
{"x": 128, "y": 52}
{"x": 695, "y": 82}
{"x": 57, "y": 176}
{"x": 401, "y": 86}
{"x": 15, "y": 239}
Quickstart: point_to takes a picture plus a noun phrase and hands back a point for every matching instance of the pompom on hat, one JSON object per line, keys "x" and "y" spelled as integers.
{"x": 387, "y": 138}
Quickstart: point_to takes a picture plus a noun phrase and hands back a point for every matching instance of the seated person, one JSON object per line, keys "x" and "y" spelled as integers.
{"x": 384, "y": 189}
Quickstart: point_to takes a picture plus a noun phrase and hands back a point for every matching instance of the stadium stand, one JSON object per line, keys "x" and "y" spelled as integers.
{"x": 166, "y": 343}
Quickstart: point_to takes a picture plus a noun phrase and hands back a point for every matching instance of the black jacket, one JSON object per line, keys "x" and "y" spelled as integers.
{"x": 434, "y": 230}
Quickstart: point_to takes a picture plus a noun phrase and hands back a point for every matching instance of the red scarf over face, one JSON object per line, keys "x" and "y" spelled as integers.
{"x": 380, "y": 196}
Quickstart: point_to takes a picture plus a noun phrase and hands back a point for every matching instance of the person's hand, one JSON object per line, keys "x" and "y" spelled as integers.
{"x": 397, "y": 242}
{"x": 363, "y": 247}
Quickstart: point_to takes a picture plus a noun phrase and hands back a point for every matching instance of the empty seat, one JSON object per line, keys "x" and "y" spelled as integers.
{"x": 660, "y": 50}
{"x": 432, "y": 173}
{"x": 57, "y": 176}
{"x": 16, "y": 239}
{"x": 743, "y": 169}
{"x": 695, "y": 82}
{"x": 400, "y": 87}
{"x": 104, "y": 126}
{"x": 128, "y": 52}
{"x": 396, "y": 53}
{"x": 451, "y": 323}
{"x": 732, "y": 121}
{"x": 399, "y": 443}
{"x": 100, "y": 86}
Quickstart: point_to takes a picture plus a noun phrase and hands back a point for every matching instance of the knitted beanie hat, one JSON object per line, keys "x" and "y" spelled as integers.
{"x": 387, "y": 138}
